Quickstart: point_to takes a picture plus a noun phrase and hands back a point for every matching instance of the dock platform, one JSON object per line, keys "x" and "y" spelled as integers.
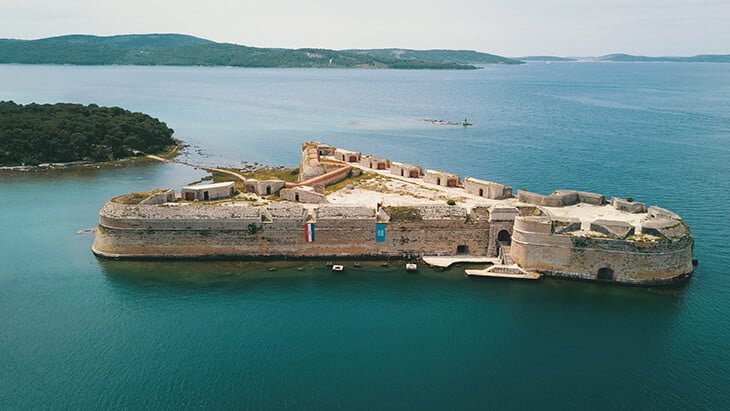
{"x": 448, "y": 261}
{"x": 504, "y": 271}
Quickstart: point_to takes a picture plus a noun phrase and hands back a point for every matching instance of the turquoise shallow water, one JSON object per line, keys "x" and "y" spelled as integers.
{"x": 77, "y": 332}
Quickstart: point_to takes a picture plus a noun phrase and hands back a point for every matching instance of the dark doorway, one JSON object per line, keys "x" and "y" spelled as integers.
{"x": 402, "y": 173}
{"x": 381, "y": 166}
{"x": 605, "y": 274}
{"x": 504, "y": 237}
{"x": 481, "y": 192}
{"x": 438, "y": 181}
{"x": 462, "y": 249}
{"x": 206, "y": 197}
{"x": 296, "y": 197}
{"x": 414, "y": 173}
{"x": 268, "y": 190}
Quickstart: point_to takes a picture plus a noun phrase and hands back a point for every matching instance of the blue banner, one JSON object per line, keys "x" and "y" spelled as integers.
{"x": 380, "y": 232}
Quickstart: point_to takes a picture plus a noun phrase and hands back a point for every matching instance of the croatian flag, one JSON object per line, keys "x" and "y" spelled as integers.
{"x": 309, "y": 232}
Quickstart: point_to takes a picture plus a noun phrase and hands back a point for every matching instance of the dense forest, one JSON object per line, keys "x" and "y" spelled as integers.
{"x": 183, "y": 50}
{"x": 48, "y": 133}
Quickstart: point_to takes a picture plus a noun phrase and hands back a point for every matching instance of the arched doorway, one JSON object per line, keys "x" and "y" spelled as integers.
{"x": 504, "y": 237}
{"x": 605, "y": 274}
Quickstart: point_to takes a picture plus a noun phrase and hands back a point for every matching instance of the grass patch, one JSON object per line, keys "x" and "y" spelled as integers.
{"x": 135, "y": 198}
{"x": 403, "y": 214}
{"x": 364, "y": 176}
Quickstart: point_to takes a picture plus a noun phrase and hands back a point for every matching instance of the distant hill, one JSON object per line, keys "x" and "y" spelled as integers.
{"x": 183, "y": 50}
{"x": 441, "y": 56}
{"x": 701, "y": 58}
{"x": 545, "y": 58}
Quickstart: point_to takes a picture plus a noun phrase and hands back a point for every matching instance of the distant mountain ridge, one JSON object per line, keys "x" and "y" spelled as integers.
{"x": 185, "y": 50}
{"x": 700, "y": 58}
{"x": 545, "y": 58}
{"x": 621, "y": 57}
{"x": 438, "y": 55}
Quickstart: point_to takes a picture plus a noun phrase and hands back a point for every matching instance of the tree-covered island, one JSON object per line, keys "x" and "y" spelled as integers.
{"x": 57, "y": 133}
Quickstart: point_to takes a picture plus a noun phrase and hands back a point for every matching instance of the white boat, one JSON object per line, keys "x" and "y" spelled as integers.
{"x": 411, "y": 267}
{"x": 337, "y": 267}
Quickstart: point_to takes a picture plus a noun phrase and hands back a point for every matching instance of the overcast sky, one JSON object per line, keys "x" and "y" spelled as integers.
{"x": 506, "y": 27}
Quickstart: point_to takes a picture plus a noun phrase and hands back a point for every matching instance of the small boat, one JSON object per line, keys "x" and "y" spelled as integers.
{"x": 466, "y": 123}
{"x": 411, "y": 267}
{"x": 337, "y": 268}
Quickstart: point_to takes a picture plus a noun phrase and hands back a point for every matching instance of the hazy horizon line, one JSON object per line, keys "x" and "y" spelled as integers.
{"x": 516, "y": 56}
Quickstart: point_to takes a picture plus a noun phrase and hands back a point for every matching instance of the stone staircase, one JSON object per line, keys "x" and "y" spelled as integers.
{"x": 504, "y": 255}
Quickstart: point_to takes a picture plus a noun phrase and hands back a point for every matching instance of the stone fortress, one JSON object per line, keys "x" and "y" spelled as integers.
{"x": 347, "y": 204}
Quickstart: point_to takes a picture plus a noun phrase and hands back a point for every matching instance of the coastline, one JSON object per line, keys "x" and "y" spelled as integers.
{"x": 142, "y": 158}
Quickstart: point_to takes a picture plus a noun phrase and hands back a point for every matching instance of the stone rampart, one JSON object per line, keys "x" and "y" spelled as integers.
{"x": 246, "y": 231}
{"x": 537, "y": 247}
{"x": 560, "y": 198}
{"x": 628, "y": 206}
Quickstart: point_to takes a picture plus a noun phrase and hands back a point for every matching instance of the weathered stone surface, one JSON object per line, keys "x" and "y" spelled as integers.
{"x": 565, "y": 225}
{"x": 664, "y": 227}
{"x": 658, "y": 212}
{"x": 405, "y": 170}
{"x": 584, "y": 197}
{"x": 502, "y": 213}
{"x": 160, "y": 197}
{"x": 487, "y": 189}
{"x": 302, "y": 195}
{"x": 441, "y": 178}
{"x": 628, "y": 206}
{"x": 535, "y": 248}
{"x": 554, "y": 200}
{"x": 376, "y": 163}
{"x": 613, "y": 229}
{"x": 264, "y": 187}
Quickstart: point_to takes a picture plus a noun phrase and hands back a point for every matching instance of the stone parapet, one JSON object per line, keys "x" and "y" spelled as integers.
{"x": 628, "y": 206}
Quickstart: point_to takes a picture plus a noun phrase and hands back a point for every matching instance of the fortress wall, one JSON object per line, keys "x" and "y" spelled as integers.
{"x": 584, "y": 197}
{"x": 554, "y": 200}
{"x": 560, "y": 198}
{"x": 582, "y": 257}
{"x": 347, "y": 236}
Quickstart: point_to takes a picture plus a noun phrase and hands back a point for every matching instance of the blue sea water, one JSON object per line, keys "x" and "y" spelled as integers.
{"x": 78, "y": 332}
